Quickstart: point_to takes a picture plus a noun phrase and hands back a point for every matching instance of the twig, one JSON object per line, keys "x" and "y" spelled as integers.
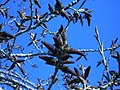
{"x": 82, "y": 4}
{"x": 101, "y": 50}
{"x": 4, "y": 3}
{"x": 54, "y": 76}
{"x": 29, "y": 85}
{"x": 71, "y": 4}
{"x": 97, "y": 50}
{"x": 18, "y": 77}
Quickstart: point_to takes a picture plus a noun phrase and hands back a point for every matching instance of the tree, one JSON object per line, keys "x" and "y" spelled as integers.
{"x": 26, "y": 38}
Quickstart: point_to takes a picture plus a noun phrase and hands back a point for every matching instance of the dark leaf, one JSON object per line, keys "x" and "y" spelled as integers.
{"x": 74, "y": 51}
{"x": 20, "y": 14}
{"x": 44, "y": 25}
{"x": 49, "y": 46}
{"x": 30, "y": 43}
{"x": 2, "y": 12}
{"x": 63, "y": 36}
{"x": 66, "y": 57}
{"x": 112, "y": 72}
{"x": 6, "y": 35}
{"x": 82, "y": 4}
{"x": 34, "y": 37}
{"x": 20, "y": 61}
{"x": 36, "y": 13}
{"x": 76, "y": 80}
{"x": 76, "y": 71}
{"x": 21, "y": 68}
{"x": 76, "y": 16}
{"x": 37, "y": 3}
{"x": 46, "y": 58}
{"x": 57, "y": 41}
{"x": 63, "y": 14}
{"x": 20, "y": 27}
{"x": 116, "y": 56}
{"x": 81, "y": 19}
{"x": 58, "y": 5}
{"x": 88, "y": 20}
{"x": 87, "y": 72}
{"x": 107, "y": 78}
{"x": 6, "y": 13}
{"x": 68, "y": 62}
{"x": 66, "y": 69}
{"x": 49, "y": 60}
{"x": 12, "y": 66}
{"x": 78, "y": 58}
{"x": 61, "y": 29}
{"x": 100, "y": 62}
{"x": 43, "y": 15}
{"x": 50, "y": 8}
{"x": 115, "y": 40}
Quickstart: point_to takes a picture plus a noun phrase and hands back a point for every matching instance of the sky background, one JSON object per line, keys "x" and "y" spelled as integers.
{"x": 106, "y": 16}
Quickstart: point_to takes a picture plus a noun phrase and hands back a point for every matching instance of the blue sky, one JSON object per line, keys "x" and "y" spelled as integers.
{"x": 106, "y": 16}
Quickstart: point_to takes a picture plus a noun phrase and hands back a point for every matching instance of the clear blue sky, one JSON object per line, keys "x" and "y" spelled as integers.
{"x": 106, "y": 16}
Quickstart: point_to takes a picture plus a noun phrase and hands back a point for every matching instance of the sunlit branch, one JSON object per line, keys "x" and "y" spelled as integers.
{"x": 97, "y": 50}
{"x": 101, "y": 50}
{"x": 16, "y": 80}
